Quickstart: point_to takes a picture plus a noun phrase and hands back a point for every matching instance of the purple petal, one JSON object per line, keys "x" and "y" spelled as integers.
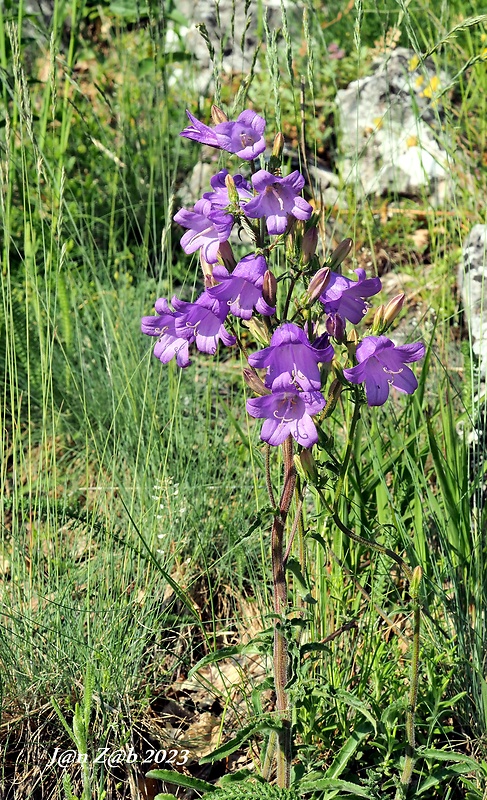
{"x": 376, "y": 384}
{"x": 199, "y": 132}
{"x": 411, "y": 352}
{"x": 304, "y": 431}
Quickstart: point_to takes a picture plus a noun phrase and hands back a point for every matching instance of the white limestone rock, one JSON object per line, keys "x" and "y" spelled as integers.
{"x": 232, "y": 29}
{"x": 472, "y": 282}
{"x": 390, "y": 126}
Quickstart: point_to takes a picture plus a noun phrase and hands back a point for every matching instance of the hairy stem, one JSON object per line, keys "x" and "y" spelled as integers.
{"x": 280, "y": 608}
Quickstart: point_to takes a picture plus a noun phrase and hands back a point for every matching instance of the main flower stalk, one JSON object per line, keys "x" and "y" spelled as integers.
{"x": 281, "y": 659}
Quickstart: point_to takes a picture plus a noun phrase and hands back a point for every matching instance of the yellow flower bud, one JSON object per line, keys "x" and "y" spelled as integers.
{"x": 217, "y": 115}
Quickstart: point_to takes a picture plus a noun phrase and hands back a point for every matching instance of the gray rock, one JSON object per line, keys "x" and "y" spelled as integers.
{"x": 232, "y": 30}
{"x": 472, "y": 281}
{"x": 390, "y": 126}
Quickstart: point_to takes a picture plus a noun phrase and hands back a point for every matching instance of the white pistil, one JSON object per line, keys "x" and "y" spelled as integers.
{"x": 201, "y": 233}
{"x": 272, "y": 190}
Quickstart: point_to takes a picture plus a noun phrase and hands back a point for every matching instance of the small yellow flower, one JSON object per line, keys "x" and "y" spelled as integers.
{"x": 378, "y": 122}
{"x": 419, "y": 81}
{"x": 411, "y": 141}
{"x": 413, "y": 63}
{"x": 432, "y": 86}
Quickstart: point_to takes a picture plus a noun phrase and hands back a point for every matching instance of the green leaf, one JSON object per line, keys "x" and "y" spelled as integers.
{"x": 348, "y": 749}
{"x": 360, "y": 706}
{"x": 233, "y": 744}
{"x": 179, "y": 779}
{"x": 336, "y": 783}
{"x": 146, "y": 67}
{"x": 165, "y": 797}
{"x": 444, "y": 755}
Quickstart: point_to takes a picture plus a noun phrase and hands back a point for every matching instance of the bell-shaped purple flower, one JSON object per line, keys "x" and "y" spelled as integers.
{"x": 285, "y": 413}
{"x": 168, "y": 344}
{"x": 382, "y": 364}
{"x": 277, "y": 199}
{"x": 202, "y": 322}
{"x": 208, "y": 227}
{"x": 244, "y": 137}
{"x": 242, "y": 289}
{"x": 292, "y": 360}
{"x": 345, "y": 297}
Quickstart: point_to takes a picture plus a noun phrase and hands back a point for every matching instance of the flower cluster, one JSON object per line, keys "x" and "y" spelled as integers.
{"x": 290, "y": 395}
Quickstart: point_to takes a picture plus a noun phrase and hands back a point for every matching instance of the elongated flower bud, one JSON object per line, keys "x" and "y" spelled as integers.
{"x": 393, "y": 309}
{"x": 309, "y": 245}
{"x": 278, "y": 145}
{"x": 317, "y": 285}
{"x": 207, "y": 270}
{"x": 352, "y": 336}
{"x": 217, "y": 115}
{"x": 269, "y": 288}
{"x": 254, "y": 382}
{"x": 232, "y": 190}
{"x": 309, "y": 466}
{"x": 378, "y": 323}
{"x": 299, "y": 467}
{"x": 335, "y": 326}
{"x": 415, "y": 581}
{"x": 340, "y": 253}
{"x": 225, "y": 254}
{"x": 276, "y": 155}
{"x": 259, "y": 330}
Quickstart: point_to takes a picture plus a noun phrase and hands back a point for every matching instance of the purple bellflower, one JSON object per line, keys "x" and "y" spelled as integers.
{"x": 169, "y": 344}
{"x": 292, "y": 360}
{"x": 345, "y": 297}
{"x": 287, "y": 412}
{"x": 382, "y": 364}
{"x": 242, "y": 289}
{"x": 208, "y": 227}
{"x": 244, "y": 137}
{"x": 202, "y": 322}
{"x": 276, "y": 199}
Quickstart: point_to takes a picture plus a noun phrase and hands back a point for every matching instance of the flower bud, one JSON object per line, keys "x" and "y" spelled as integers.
{"x": 258, "y": 329}
{"x": 217, "y": 115}
{"x": 225, "y": 254}
{"x": 276, "y": 155}
{"x": 309, "y": 245}
{"x": 335, "y": 326}
{"x": 317, "y": 285}
{"x": 334, "y": 391}
{"x": 393, "y": 309}
{"x": 340, "y": 253}
{"x": 207, "y": 270}
{"x": 378, "y": 323}
{"x": 309, "y": 466}
{"x": 269, "y": 288}
{"x": 352, "y": 336}
{"x": 232, "y": 190}
{"x": 254, "y": 382}
{"x": 278, "y": 146}
{"x": 415, "y": 581}
{"x": 299, "y": 467}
